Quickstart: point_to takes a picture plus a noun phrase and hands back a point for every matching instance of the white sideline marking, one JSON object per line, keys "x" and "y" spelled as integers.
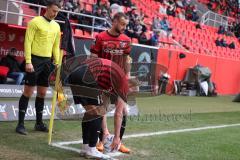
{"x": 66, "y": 147}
{"x": 158, "y": 133}
{"x": 61, "y": 144}
{"x": 114, "y": 154}
{"x": 179, "y": 131}
{"x": 68, "y": 142}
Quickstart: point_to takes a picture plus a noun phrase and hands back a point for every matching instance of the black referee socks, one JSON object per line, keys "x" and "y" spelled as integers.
{"x": 23, "y": 104}
{"x": 39, "y": 105}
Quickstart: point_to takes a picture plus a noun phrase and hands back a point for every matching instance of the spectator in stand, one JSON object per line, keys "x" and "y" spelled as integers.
{"x": 218, "y": 42}
{"x": 155, "y": 39}
{"x": 70, "y": 5}
{"x": 138, "y": 28}
{"x": 181, "y": 14}
{"x": 179, "y": 4}
{"x": 156, "y": 24}
{"x": 108, "y": 9}
{"x": 163, "y": 9}
{"x": 171, "y": 9}
{"x": 232, "y": 45}
{"x": 221, "y": 30}
{"x": 195, "y": 16}
{"x": 130, "y": 29}
{"x": 95, "y": 6}
{"x": 210, "y": 5}
{"x": 101, "y": 23}
{"x": 229, "y": 33}
{"x": 132, "y": 14}
{"x": 191, "y": 13}
{"x": 104, "y": 4}
{"x": 143, "y": 39}
{"x": 226, "y": 7}
{"x": 144, "y": 28}
{"x": 166, "y": 30}
{"x": 223, "y": 43}
{"x": 141, "y": 15}
{"x": 106, "y": 16}
{"x": 115, "y": 8}
{"x": 134, "y": 29}
{"x": 16, "y": 69}
{"x": 98, "y": 13}
{"x": 236, "y": 29}
{"x": 186, "y": 3}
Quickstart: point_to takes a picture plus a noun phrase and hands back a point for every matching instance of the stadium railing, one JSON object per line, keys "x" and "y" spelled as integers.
{"x": 213, "y": 19}
{"x": 40, "y": 8}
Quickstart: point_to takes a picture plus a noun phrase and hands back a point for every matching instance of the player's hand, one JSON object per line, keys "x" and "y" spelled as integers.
{"x": 116, "y": 143}
{"x": 105, "y": 134}
{"x": 29, "y": 67}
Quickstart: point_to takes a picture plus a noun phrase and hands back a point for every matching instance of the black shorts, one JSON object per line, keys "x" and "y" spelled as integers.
{"x": 42, "y": 69}
{"x": 84, "y": 88}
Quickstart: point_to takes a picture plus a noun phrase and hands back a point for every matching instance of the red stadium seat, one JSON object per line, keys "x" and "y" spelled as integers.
{"x": 4, "y": 71}
{"x": 134, "y": 40}
{"x": 78, "y": 32}
{"x": 95, "y": 34}
{"x": 89, "y": 7}
{"x": 87, "y": 34}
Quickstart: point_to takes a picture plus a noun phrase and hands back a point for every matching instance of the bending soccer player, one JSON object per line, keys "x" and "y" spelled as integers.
{"x": 93, "y": 80}
{"x": 115, "y": 46}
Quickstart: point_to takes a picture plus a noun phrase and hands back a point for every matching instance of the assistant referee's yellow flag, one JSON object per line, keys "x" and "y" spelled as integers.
{"x": 54, "y": 98}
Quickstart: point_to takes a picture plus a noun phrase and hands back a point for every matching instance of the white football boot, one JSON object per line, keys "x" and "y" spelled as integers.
{"x": 84, "y": 150}
{"x": 93, "y": 153}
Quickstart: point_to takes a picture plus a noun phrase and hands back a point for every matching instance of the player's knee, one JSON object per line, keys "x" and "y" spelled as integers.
{"x": 125, "y": 112}
{"x": 90, "y": 117}
{"x": 41, "y": 94}
{"x": 28, "y": 93}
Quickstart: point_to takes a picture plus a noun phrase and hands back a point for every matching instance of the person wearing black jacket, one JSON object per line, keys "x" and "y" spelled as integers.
{"x": 15, "y": 68}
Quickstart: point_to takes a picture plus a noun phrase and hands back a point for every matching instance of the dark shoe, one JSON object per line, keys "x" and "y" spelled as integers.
{"x": 41, "y": 127}
{"x": 21, "y": 129}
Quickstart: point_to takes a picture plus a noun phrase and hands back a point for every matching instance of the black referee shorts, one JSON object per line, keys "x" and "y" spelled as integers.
{"x": 84, "y": 88}
{"x": 42, "y": 69}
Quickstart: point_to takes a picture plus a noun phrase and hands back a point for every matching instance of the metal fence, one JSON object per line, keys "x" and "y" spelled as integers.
{"x": 6, "y": 12}
{"x": 213, "y": 19}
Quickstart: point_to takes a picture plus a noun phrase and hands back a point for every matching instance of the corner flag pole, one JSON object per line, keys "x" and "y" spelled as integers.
{"x": 54, "y": 99}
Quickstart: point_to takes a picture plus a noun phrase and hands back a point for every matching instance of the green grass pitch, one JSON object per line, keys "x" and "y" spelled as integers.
{"x": 160, "y": 113}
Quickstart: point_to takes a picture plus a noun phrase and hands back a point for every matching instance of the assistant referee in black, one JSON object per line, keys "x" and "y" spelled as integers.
{"x": 41, "y": 44}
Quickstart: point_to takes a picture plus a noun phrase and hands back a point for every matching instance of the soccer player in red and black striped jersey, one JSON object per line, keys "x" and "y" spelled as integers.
{"x": 114, "y": 45}
{"x": 90, "y": 82}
